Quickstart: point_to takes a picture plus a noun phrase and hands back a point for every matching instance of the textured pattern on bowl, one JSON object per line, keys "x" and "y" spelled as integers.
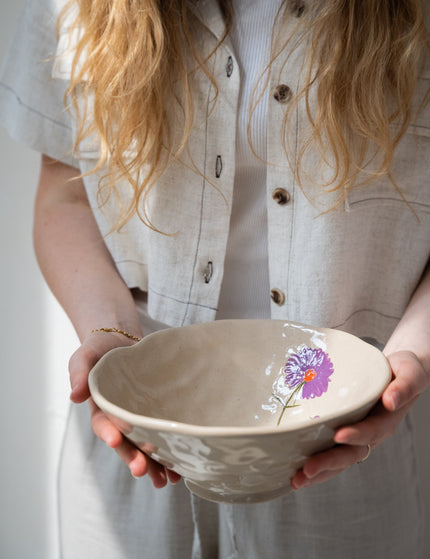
{"x": 237, "y": 406}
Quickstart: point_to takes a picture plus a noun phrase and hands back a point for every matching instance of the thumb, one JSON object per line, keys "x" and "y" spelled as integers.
{"x": 409, "y": 381}
{"x": 80, "y": 365}
{"x": 86, "y": 356}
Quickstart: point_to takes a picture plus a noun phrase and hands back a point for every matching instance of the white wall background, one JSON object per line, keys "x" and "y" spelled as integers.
{"x": 35, "y": 343}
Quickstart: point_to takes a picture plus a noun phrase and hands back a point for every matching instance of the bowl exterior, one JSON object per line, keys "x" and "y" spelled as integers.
{"x": 207, "y": 403}
{"x": 233, "y": 468}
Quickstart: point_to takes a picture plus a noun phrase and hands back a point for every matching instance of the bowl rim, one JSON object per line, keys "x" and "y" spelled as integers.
{"x": 201, "y": 431}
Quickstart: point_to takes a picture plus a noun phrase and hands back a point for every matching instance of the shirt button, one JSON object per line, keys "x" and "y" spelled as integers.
{"x": 229, "y": 66}
{"x": 282, "y": 93}
{"x": 218, "y": 166}
{"x": 277, "y": 296}
{"x": 297, "y": 8}
{"x": 208, "y": 272}
{"x": 281, "y": 196}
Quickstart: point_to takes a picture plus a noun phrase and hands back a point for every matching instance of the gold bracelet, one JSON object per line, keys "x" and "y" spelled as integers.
{"x": 118, "y": 331}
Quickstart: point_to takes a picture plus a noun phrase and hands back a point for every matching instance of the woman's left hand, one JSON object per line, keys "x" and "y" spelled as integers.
{"x": 410, "y": 379}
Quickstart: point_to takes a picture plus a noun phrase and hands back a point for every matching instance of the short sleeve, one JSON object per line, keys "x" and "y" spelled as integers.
{"x": 31, "y": 99}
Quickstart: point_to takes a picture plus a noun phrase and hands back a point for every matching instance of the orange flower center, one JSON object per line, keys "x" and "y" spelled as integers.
{"x": 309, "y": 375}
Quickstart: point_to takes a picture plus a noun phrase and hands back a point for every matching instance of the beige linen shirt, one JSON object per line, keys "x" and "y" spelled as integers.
{"x": 354, "y": 267}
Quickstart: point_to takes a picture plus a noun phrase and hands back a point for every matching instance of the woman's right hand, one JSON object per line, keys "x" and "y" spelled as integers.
{"x": 82, "y": 275}
{"x": 82, "y": 361}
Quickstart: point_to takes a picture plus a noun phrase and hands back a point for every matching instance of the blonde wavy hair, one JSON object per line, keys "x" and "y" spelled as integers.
{"x": 364, "y": 58}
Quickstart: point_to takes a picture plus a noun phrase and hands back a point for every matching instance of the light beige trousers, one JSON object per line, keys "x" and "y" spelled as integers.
{"x": 372, "y": 510}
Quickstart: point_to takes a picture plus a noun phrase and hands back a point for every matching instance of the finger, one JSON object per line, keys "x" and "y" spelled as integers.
{"x": 172, "y": 476}
{"x": 80, "y": 364}
{"x": 410, "y": 380}
{"x": 300, "y": 480}
{"x": 103, "y": 428}
{"x": 138, "y": 462}
{"x": 157, "y": 473}
{"x": 325, "y": 465}
{"x": 378, "y": 426}
{"x": 86, "y": 356}
{"x": 337, "y": 458}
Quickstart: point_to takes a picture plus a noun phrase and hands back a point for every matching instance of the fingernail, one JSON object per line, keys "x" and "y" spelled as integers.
{"x": 301, "y": 485}
{"x": 74, "y": 387}
{"x": 395, "y": 400}
{"x": 341, "y": 439}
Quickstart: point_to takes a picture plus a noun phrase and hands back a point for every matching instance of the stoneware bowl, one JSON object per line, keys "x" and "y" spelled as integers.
{"x": 236, "y": 406}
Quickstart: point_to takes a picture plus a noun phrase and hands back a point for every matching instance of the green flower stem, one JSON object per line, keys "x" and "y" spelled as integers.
{"x": 286, "y": 405}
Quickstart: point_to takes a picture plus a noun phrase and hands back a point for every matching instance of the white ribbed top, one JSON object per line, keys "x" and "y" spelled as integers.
{"x": 245, "y": 291}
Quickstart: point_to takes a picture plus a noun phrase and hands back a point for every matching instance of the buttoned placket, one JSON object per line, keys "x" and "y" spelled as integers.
{"x": 281, "y": 184}
{"x": 218, "y": 170}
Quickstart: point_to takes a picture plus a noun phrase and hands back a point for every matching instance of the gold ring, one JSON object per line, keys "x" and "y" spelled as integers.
{"x": 369, "y": 450}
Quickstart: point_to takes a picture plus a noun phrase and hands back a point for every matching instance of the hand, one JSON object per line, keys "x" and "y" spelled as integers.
{"x": 410, "y": 379}
{"x": 81, "y": 362}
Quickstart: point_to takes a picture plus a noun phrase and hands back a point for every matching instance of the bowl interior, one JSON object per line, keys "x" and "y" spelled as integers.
{"x": 242, "y": 373}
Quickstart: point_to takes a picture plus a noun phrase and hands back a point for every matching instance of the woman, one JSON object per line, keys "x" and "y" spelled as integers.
{"x": 247, "y": 160}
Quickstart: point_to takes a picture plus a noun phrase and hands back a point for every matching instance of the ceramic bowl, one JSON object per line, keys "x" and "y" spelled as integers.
{"x": 236, "y": 406}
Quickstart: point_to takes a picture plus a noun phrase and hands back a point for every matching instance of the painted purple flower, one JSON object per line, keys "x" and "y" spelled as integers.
{"x": 310, "y": 369}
